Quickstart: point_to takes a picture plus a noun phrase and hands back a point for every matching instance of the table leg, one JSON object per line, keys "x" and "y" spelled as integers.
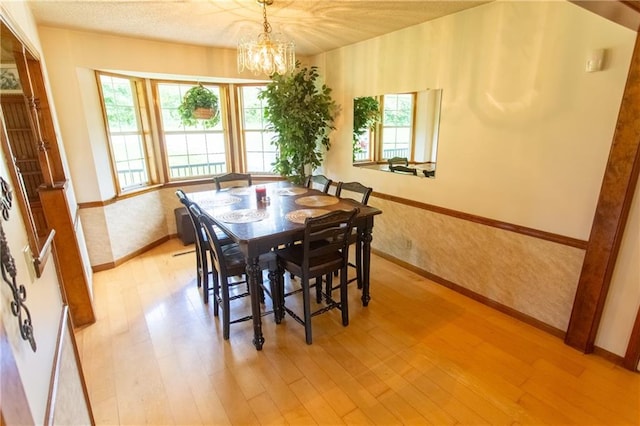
{"x": 366, "y": 264}
{"x": 274, "y": 281}
{"x": 253, "y": 269}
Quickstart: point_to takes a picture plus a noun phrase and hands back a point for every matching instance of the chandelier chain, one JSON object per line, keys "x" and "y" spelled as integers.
{"x": 267, "y": 26}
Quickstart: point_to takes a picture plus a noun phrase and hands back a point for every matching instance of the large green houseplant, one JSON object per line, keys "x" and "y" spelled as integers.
{"x": 199, "y": 103}
{"x": 301, "y": 113}
{"x": 366, "y": 113}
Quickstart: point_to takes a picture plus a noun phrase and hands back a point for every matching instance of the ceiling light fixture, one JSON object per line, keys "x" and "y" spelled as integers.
{"x": 269, "y": 53}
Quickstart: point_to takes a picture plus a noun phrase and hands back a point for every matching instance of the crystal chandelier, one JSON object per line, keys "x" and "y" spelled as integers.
{"x": 269, "y": 53}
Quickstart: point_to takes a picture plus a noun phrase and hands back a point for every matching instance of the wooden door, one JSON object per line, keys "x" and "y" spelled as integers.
{"x": 24, "y": 149}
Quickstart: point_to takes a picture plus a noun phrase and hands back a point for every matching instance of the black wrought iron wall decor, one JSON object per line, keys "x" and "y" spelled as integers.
{"x": 8, "y": 269}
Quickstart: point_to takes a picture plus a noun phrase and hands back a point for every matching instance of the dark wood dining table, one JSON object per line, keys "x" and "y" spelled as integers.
{"x": 258, "y": 226}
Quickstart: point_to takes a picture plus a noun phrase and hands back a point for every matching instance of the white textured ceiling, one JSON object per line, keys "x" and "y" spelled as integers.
{"x": 314, "y": 25}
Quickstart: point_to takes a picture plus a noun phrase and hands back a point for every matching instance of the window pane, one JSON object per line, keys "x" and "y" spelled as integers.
{"x": 176, "y": 145}
{"x": 119, "y": 148}
{"x": 125, "y": 132}
{"x": 134, "y": 147}
{"x": 403, "y": 134}
{"x": 253, "y": 141}
{"x": 255, "y": 161}
{"x": 170, "y": 119}
{"x": 190, "y": 149}
{"x": 397, "y": 125}
{"x": 196, "y": 144}
{"x": 361, "y": 148}
{"x": 259, "y": 152}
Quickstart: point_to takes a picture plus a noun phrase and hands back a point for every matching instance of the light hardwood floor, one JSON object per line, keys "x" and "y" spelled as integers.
{"x": 419, "y": 354}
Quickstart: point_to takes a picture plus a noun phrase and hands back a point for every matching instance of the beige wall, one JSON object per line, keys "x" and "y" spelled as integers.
{"x": 524, "y": 132}
{"x": 74, "y": 56}
{"x": 43, "y": 294}
{"x": 524, "y": 139}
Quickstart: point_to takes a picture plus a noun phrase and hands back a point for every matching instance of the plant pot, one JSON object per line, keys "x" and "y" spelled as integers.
{"x": 203, "y": 113}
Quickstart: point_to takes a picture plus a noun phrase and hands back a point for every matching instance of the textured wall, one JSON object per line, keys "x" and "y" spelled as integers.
{"x": 119, "y": 229}
{"x": 530, "y": 275}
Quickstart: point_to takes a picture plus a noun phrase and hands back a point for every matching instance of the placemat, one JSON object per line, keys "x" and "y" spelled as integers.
{"x": 299, "y": 216}
{"x": 245, "y": 190}
{"x": 226, "y": 200}
{"x": 291, "y": 191}
{"x": 243, "y": 216}
{"x": 317, "y": 200}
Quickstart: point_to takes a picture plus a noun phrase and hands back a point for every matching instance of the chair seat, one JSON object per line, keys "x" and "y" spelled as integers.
{"x": 293, "y": 257}
{"x": 235, "y": 262}
{"x": 222, "y": 236}
{"x": 234, "y": 259}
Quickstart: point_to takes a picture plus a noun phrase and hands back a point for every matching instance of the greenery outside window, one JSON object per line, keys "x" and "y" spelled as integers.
{"x": 126, "y": 133}
{"x": 260, "y": 154}
{"x": 190, "y": 151}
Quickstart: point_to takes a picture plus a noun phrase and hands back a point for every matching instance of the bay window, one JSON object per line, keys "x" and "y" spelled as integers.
{"x": 239, "y": 142}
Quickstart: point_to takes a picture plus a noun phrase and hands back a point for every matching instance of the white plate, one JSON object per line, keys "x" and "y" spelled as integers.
{"x": 299, "y": 216}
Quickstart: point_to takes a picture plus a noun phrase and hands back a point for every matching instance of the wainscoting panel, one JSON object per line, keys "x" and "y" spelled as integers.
{"x": 135, "y": 222}
{"x": 96, "y": 235}
{"x": 534, "y": 276}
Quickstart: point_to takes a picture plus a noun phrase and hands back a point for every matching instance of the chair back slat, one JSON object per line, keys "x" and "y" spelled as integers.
{"x": 232, "y": 180}
{"x": 398, "y": 161}
{"x": 319, "y": 182}
{"x": 332, "y": 231}
{"x": 357, "y": 189}
{"x": 212, "y": 238}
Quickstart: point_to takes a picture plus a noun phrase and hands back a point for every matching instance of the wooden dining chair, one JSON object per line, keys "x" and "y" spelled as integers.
{"x": 229, "y": 262}
{"x": 202, "y": 248}
{"x": 403, "y": 169}
{"x": 398, "y": 161}
{"x": 358, "y": 192}
{"x": 320, "y": 182}
{"x": 323, "y": 250}
{"x": 232, "y": 180}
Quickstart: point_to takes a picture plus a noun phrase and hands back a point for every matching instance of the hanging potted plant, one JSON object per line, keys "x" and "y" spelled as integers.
{"x": 199, "y": 103}
{"x": 301, "y": 113}
{"x": 366, "y": 113}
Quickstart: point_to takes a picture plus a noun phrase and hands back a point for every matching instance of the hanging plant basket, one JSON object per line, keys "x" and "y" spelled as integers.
{"x": 203, "y": 113}
{"x": 199, "y": 104}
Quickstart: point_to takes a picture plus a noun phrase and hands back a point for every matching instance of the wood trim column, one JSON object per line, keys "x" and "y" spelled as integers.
{"x": 616, "y": 195}
{"x": 74, "y": 281}
{"x": 632, "y": 356}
